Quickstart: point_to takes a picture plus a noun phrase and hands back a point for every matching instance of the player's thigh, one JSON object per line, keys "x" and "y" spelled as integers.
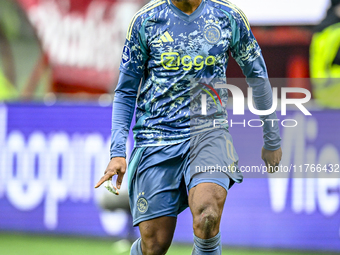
{"x": 157, "y": 233}
{"x": 208, "y": 198}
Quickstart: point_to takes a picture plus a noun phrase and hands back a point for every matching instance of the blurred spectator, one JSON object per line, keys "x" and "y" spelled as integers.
{"x": 325, "y": 58}
{"x": 9, "y": 24}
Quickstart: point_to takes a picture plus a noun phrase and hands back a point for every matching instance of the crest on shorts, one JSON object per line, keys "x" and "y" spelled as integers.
{"x": 142, "y": 205}
{"x": 212, "y": 34}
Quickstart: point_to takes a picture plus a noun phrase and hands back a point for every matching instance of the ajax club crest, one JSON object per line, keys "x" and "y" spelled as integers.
{"x": 212, "y": 34}
{"x": 142, "y": 205}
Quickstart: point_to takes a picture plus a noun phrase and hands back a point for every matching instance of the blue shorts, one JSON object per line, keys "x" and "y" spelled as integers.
{"x": 160, "y": 176}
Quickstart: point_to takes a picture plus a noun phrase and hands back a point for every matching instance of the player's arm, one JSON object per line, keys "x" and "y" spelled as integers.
{"x": 131, "y": 71}
{"x": 247, "y": 54}
{"x": 122, "y": 113}
{"x": 257, "y": 79}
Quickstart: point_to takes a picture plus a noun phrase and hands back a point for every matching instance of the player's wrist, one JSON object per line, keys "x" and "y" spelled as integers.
{"x": 118, "y": 155}
{"x": 271, "y": 147}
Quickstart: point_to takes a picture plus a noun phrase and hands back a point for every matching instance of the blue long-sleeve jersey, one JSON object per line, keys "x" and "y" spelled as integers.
{"x": 174, "y": 58}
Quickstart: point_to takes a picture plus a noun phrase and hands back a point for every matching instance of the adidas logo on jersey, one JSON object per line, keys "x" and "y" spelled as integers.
{"x": 165, "y": 38}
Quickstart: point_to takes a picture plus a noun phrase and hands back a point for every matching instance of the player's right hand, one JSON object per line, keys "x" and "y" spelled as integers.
{"x": 117, "y": 166}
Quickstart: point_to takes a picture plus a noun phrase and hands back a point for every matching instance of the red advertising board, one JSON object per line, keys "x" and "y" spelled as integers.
{"x": 82, "y": 40}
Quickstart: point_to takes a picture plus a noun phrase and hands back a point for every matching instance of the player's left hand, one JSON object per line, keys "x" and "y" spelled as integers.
{"x": 271, "y": 158}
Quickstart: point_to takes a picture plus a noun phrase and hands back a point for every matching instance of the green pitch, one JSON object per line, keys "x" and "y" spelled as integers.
{"x": 15, "y": 244}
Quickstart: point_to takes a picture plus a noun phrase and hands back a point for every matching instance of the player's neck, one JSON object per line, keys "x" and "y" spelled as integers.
{"x": 187, "y": 6}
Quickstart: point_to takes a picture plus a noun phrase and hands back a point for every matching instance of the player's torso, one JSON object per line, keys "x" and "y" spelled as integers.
{"x": 180, "y": 50}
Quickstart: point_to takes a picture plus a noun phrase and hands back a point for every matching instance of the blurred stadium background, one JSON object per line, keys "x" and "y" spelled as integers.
{"x": 59, "y": 64}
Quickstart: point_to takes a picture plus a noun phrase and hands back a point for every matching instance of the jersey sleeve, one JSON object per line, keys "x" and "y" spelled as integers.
{"x": 244, "y": 47}
{"x": 135, "y": 53}
{"x": 257, "y": 79}
{"x": 247, "y": 53}
{"x": 122, "y": 112}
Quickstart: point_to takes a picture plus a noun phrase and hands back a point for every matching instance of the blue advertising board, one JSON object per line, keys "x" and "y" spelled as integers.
{"x": 52, "y": 156}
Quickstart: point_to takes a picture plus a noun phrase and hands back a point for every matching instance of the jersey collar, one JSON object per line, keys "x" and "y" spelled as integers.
{"x": 185, "y": 16}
